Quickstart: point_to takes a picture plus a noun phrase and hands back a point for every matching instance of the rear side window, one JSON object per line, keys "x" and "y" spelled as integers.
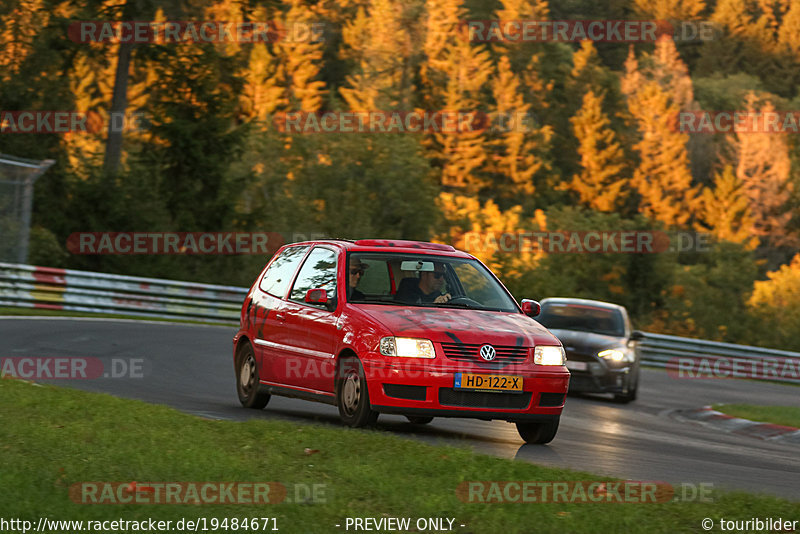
{"x": 318, "y": 272}
{"x": 279, "y": 275}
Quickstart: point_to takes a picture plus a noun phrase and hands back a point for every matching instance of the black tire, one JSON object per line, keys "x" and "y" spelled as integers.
{"x": 630, "y": 396}
{"x": 538, "y": 433}
{"x": 419, "y": 419}
{"x": 352, "y": 395}
{"x": 247, "y": 379}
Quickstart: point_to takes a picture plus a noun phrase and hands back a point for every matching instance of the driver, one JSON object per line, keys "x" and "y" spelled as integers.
{"x": 427, "y": 289}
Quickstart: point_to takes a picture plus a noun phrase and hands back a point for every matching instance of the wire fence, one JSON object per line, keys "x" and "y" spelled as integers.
{"x": 17, "y": 176}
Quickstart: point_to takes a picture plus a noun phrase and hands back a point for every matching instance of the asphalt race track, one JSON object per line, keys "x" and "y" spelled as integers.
{"x": 190, "y": 368}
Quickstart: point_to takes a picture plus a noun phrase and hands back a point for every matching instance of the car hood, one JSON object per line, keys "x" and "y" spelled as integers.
{"x": 447, "y": 325}
{"x": 586, "y": 342}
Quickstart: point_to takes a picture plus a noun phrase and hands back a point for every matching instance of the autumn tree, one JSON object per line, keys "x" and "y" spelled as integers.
{"x": 670, "y": 9}
{"x": 481, "y": 227}
{"x": 454, "y": 74}
{"x": 764, "y": 166}
{"x": 726, "y": 210}
{"x": 383, "y": 42}
{"x": 600, "y": 184}
{"x": 662, "y": 177}
{"x": 777, "y": 302}
{"x": 300, "y": 60}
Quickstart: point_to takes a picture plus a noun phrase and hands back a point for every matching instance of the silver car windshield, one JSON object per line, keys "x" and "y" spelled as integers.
{"x": 583, "y": 318}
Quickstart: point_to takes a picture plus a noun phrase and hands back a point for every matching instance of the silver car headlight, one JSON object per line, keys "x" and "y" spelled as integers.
{"x": 407, "y": 347}
{"x": 549, "y": 355}
{"x": 616, "y": 355}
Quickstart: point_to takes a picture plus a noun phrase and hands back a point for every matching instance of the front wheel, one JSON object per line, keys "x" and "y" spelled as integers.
{"x": 247, "y": 380}
{"x": 352, "y": 396}
{"x": 538, "y": 433}
{"x": 630, "y": 396}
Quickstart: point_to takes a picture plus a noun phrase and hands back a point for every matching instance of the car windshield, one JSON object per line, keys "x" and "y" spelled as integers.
{"x": 395, "y": 279}
{"x": 562, "y": 316}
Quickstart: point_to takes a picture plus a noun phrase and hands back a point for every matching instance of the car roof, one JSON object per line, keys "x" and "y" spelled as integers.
{"x": 586, "y": 302}
{"x": 391, "y": 245}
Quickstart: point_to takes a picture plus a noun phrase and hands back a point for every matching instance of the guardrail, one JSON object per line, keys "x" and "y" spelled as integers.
{"x": 694, "y": 358}
{"x": 83, "y": 291}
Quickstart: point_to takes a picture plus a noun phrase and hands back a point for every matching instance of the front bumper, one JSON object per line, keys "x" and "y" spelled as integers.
{"x": 601, "y": 378}
{"x": 426, "y": 388}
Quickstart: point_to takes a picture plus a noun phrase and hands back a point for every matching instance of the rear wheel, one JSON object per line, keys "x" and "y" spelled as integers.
{"x": 352, "y": 396}
{"x": 419, "y": 419}
{"x": 247, "y": 379}
{"x": 538, "y": 433}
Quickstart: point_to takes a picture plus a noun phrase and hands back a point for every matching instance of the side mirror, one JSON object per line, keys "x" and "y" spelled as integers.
{"x": 531, "y": 308}
{"x": 317, "y": 296}
{"x": 637, "y": 335}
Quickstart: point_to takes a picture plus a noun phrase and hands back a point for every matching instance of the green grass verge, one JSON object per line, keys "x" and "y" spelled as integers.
{"x": 51, "y": 438}
{"x": 35, "y": 312}
{"x": 779, "y": 415}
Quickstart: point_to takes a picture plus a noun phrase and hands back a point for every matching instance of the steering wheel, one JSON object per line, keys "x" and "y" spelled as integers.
{"x": 465, "y": 300}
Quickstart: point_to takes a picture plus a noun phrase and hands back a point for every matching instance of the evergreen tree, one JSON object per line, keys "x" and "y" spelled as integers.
{"x": 662, "y": 177}
{"x": 264, "y": 79}
{"x": 600, "y": 184}
{"x": 670, "y": 9}
{"x": 655, "y": 93}
{"x": 764, "y": 166}
{"x": 520, "y": 147}
{"x": 300, "y": 60}
{"x": 726, "y": 210}
{"x": 455, "y": 73}
{"x": 789, "y": 33}
{"x": 384, "y": 45}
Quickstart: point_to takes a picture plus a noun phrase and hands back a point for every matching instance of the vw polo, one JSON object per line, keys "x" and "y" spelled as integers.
{"x": 397, "y": 327}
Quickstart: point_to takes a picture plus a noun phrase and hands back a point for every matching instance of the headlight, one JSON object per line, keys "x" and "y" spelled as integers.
{"x": 615, "y": 355}
{"x": 549, "y": 355}
{"x": 407, "y": 347}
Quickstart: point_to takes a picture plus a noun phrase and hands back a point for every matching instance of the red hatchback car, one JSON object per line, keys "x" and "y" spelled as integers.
{"x": 400, "y": 327}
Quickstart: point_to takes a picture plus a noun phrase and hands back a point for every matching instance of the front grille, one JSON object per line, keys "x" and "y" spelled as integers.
{"x": 477, "y": 399}
{"x": 400, "y": 391}
{"x": 551, "y": 399}
{"x": 467, "y": 352}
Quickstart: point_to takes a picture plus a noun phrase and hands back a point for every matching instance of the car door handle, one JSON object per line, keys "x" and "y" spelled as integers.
{"x": 280, "y": 316}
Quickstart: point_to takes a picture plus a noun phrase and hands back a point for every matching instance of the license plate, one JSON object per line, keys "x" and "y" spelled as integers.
{"x": 577, "y": 366}
{"x": 475, "y": 382}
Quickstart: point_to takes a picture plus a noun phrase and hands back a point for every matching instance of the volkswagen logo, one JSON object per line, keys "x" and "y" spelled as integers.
{"x": 488, "y": 353}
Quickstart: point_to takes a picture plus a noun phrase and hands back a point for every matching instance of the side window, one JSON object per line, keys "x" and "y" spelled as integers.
{"x": 279, "y": 275}
{"x": 318, "y": 271}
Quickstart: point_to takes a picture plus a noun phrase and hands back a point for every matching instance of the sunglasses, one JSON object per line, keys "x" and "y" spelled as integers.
{"x": 437, "y": 275}
{"x": 356, "y": 271}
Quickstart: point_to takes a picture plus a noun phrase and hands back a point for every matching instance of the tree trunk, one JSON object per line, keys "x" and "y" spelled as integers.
{"x": 119, "y": 103}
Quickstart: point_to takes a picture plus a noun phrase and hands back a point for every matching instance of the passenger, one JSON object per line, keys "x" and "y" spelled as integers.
{"x": 354, "y": 274}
